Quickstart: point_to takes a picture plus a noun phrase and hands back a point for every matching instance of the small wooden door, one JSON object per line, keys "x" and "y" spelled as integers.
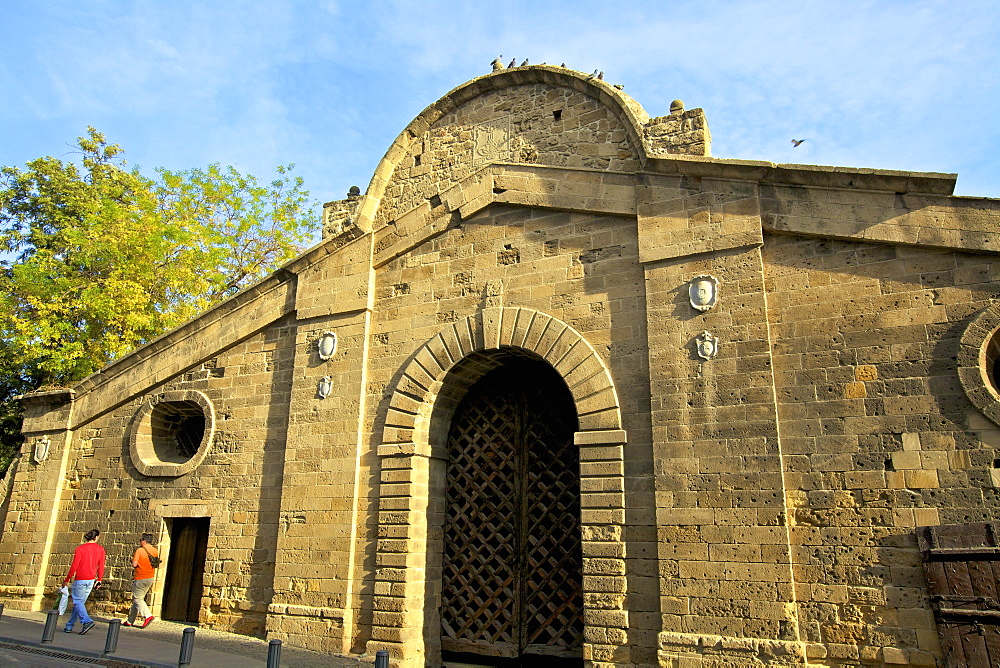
{"x": 511, "y": 583}
{"x": 962, "y": 564}
{"x": 185, "y": 569}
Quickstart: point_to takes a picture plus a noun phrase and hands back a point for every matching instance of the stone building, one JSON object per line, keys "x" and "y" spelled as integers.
{"x": 559, "y": 384}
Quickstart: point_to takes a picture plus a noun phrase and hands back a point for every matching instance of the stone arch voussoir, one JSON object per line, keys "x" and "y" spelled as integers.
{"x": 549, "y": 338}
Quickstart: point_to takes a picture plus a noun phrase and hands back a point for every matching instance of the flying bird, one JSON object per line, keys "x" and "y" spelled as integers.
{"x": 513, "y": 62}
{"x": 796, "y": 142}
{"x": 497, "y": 65}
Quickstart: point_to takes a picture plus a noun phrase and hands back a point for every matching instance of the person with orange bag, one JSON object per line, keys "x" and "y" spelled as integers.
{"x": 144, "y": 562}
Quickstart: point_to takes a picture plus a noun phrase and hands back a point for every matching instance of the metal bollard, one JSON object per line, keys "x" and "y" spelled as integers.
{"x": 274, "y": 654}
{"x": 187, "y": 647}
{"x": 111, "y": 644}
{"x": 382, "y": 658}
{"x": 51, "y": 620}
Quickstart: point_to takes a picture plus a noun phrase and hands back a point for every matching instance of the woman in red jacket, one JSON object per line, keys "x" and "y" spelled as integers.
{"x": 88, "y": 567}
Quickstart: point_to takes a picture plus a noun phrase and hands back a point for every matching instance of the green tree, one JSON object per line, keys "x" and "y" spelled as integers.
{"x": 98, "y": 259}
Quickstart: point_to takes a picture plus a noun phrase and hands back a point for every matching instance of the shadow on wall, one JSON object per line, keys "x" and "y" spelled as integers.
{"x": 7, "y": 489}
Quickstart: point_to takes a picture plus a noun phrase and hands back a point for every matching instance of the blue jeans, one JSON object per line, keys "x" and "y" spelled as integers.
{"x": 81, "y": 590}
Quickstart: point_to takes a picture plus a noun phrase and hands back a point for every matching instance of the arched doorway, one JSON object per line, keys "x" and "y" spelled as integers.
{"x": 511, "y": 578}
{"x": 414, "y": 448}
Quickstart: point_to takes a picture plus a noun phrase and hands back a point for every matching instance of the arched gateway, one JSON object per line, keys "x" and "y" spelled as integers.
{"x": 850, "y": 392}
{"x": 502, "y": 443}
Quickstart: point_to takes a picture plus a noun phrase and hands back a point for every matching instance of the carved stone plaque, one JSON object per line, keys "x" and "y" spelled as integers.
{"x": 41, "y": 452}
{"x": 492, "y": 142}
{"x": 327, "y": 345}
{"x": 707, "y": 345}
{"x": 704, "y": 292}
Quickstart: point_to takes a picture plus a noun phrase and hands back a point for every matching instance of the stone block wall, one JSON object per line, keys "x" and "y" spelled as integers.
{"x": 318, "y": 542}
{"x": 317, "y": 592}
{"x": 725, "y": 567}
{"x": 339, "y": 216}
{"x": 878, "y": 436}
{"x": 579, "y": 268}
{"x": 682, "y": 132}
{"x": 32, "y": 508}
{"x": 238, "y": 485}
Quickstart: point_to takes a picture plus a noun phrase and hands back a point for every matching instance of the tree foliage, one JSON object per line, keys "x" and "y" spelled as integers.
{"x": 97, "y": 259}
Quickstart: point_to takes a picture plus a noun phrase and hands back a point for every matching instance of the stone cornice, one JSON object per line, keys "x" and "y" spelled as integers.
{"x": 52, "y": 397}
{"x": 882, "y": 180}
{"x": 188, "y": 345}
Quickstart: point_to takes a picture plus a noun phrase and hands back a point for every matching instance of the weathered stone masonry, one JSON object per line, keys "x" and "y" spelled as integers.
{"x": 753, "y": 474}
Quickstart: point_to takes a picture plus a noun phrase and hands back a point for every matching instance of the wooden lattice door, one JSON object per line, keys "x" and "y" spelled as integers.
{"x": 511, "y": 583}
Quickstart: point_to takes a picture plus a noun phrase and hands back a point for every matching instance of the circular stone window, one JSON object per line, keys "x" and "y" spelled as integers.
{"x": 979, "y": 362}
{"x": 171, "y": 433}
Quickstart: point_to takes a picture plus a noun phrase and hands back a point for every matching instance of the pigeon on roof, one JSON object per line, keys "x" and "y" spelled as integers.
{"x": 513, "y": 62}
{"x": 524, "y": 62}
{"x": 497, "y": 65}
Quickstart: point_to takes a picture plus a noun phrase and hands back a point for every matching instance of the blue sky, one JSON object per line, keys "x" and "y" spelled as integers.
{"x": 328, "y": 85}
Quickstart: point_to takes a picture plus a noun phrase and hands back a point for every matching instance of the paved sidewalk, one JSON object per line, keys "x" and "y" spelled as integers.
{"x": 157, "y": 645}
